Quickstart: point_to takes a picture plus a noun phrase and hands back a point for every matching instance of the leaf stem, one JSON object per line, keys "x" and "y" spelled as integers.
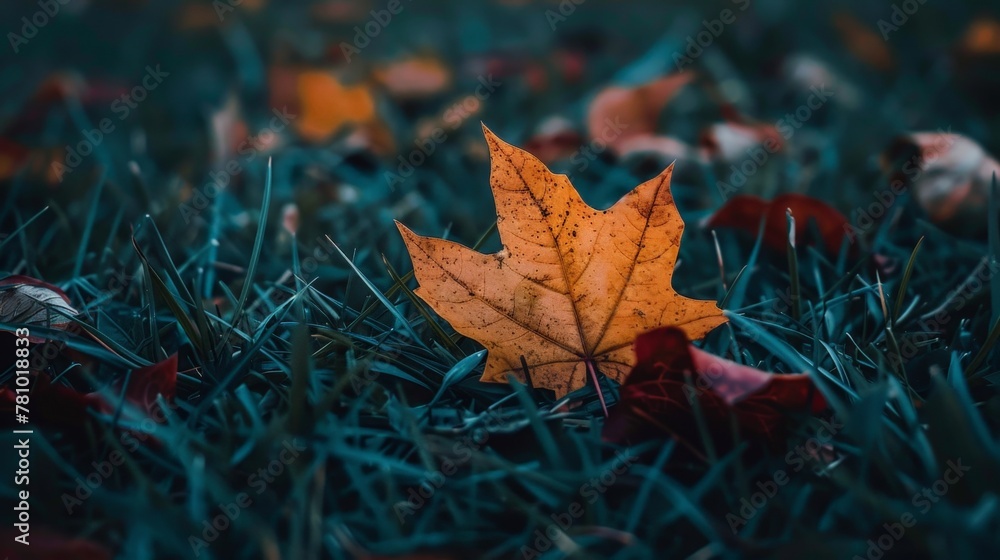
{"x": 597, "y": 385}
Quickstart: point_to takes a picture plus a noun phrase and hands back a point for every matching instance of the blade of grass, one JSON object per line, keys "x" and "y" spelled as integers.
{"x": 645, "y": 493}
{"x": 993, "y": 227}
{"x": 246, "y": 356}
{"x": 739, "y": 289}
{"x": 784, "y": 352}
{"x": 380, "y": 296}
{"x": 900, "y": 296}
{"x": 983, "y": 352}
{"x": 183, "y": 295}
{"x": 729, "y": 292}
{"x": 258, "y": 244}
{"x": 793, "y": 267}
{"x": 150, "y": 303}
{"x": 112, "y": 232}
{"x": 542, "y": 432}
{"x": 442, "y": 336}
{"x": 21, "y": 227}
{"x": 367, "y": 309}
{"x": 180, "y": 314}
{"x": 81, "y": 251}
{"x": 301, "y": 374}
{"x": 212, "y": 253}
{"x": 459, "y": 371}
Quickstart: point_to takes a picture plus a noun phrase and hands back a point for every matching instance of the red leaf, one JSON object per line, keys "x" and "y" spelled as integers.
{"x": 46, "y": 544}
{"x": 61, "y": 406}
{"x": 655, "y": 398}
{"x": 744, "y": 212}
{"x": 554, "y": 140}
{"x": 148, "y": 382}
{"x": 143, "y": 387}
{"x": 54, "y": 90}
{"x": 12, "y": 157}
{"x": 52, "y": 405}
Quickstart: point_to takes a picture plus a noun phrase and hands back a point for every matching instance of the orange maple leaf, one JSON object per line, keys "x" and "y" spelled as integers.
{"x": 572, "y": 286}
{"x": 328, "y": 106}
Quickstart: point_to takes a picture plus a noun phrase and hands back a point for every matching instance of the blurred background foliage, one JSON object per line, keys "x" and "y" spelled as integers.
{"x": 123, "y": 114}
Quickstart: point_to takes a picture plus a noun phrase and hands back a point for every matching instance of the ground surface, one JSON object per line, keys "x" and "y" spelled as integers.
{"x": 158, "y": 156}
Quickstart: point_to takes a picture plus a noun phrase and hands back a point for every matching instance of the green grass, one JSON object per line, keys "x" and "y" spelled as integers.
{"x": 311, "y": 355}
{"x": 380, "y": 396}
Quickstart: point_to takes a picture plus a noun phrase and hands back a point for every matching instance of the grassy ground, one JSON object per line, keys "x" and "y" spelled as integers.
{"x": 322, "y": 411}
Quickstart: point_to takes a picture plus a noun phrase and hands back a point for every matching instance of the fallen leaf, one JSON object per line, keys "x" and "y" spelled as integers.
{"x": 146, "y": 383}
{"x": 340, "y": 11}
{"x": 949, "y": 175}
{"x": 53, "y": 92}
{"x": 736, "y": 141}
{"x": 982, "y": 37}
{"x": 47, "y": 544}
{"x": 655, "y": 398}
{"x": 666, "y": 146}
{"x": 12, "y": 157}
{"x": 572, "y": 65}
{"x": 745, "y": 212}
{"x": 554, "y": 140}
{"x": 555, "y": 146}
{"x": 33, "y": 161}
{"x": 52, "y": 405}
{"x": 620, "y": 113}
{"x": 456, "y": 113}
{"x": 866, "y": 45}
{"x": 373, "y": 136}
{"x": 572, "y": 285}
{"x": 196, "y": 16}
{"x": 58, "y": 405}
{"x": 536, "y": 77}
{"x": 321, "y": 103}
{"x": 413, "y": 78}
{"x": 806, "y": 72}
{"x": 328, "y": 105}
{"x": 28, "y": 301}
